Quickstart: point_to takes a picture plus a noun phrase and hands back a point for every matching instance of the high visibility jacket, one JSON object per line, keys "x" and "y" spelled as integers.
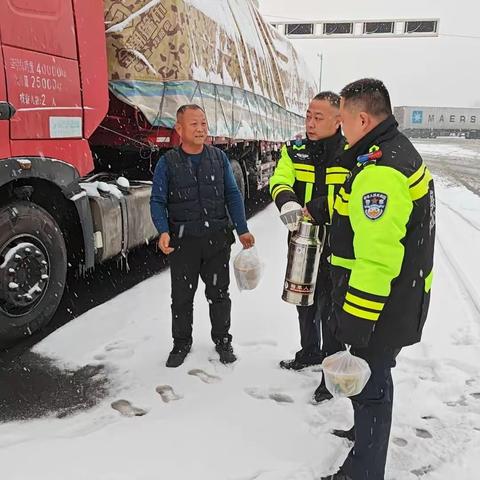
{"x": 307, "y": 170}
{"x": 382, "y": 241}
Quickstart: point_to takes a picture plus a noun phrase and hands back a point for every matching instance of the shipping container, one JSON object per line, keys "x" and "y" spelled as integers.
{"x": 431, "y": 122}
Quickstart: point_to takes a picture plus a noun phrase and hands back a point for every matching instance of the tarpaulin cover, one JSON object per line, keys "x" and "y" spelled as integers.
{"x": 220, "y": 54}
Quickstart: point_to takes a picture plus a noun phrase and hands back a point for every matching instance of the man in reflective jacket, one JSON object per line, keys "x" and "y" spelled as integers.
{"x": 308, "y": 170}
{"x": 382, "y": 240}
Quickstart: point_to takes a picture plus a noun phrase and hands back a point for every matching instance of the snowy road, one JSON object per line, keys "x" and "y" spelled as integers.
{"x": 456, "y": 159}
{"x": 252, "y": 420}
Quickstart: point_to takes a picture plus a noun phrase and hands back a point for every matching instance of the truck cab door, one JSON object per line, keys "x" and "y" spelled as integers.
{"x": 4, "y": 120}
{"x": 42, "y": 71}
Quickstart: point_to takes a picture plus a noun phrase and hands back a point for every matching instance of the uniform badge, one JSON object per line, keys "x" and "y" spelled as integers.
{"x": 374, "y": 205}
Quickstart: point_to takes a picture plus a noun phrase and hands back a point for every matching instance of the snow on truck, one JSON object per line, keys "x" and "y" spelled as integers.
{"x": 88, "y": 95}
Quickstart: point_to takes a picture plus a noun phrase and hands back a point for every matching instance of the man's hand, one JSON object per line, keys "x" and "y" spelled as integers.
{"x": 306, "y": 213}
{"x": 290, "y": 214}
{"x": 164, "y": 244}
{"x": 247, "y": 240}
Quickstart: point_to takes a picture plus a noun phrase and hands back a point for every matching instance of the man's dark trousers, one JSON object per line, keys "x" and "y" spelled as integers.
{"x": 314, "y": 326}
{"x": 372, "y": 410}
{"x": 207, "y": 256}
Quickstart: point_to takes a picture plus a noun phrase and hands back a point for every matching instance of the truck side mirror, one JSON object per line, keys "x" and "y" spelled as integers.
{"x": 7, "y": 111}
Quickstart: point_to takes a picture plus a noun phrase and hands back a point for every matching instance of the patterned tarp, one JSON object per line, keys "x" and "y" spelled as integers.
{"x": 220, "y": 54}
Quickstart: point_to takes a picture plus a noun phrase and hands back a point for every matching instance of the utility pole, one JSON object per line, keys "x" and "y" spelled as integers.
{"x": 320, "y": 55}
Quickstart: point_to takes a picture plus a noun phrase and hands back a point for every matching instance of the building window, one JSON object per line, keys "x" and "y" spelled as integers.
{"x": 429, "y": 26}
{"x": 337, "y": 28}
{"x": 299, "y": 29}
{"x": 378, "y": 27}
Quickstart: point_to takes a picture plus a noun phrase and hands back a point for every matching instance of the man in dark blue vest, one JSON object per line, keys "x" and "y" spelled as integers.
{"x": 193, "y": 187}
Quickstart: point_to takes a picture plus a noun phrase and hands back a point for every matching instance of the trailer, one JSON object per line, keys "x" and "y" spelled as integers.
{"x": 88, "y": 95}
{"x": 431, "y": 122}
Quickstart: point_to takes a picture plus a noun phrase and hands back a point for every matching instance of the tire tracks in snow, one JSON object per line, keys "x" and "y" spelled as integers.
{"x": 470, "y": 294}
{"x": 460, "y": 215}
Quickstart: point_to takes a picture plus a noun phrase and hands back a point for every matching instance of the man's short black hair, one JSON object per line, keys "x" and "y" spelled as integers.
{"x": 188, "y": 106}
{"x": 371, "y": 94}
{"x": 332, "y": 98}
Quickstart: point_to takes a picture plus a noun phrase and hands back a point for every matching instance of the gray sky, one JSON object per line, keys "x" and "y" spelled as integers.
{"x": 439, "y": 71}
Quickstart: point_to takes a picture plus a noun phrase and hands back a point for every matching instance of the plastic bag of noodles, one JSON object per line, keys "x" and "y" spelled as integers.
{"x": 248, "y": 269}
{"x": 345, "y": 374}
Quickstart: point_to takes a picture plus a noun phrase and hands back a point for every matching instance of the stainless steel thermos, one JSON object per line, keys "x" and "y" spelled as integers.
{"x": 302, "y": 268}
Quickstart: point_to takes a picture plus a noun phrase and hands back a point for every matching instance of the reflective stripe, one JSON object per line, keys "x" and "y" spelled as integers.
{"x": 428, "y": 282}
{"x": 347, "y": 263}
{"x": 308, "y": 192}
{"x": 336, "y": 178}
{"x": 337, "y": 170}
{"x": 357, "y": 312}
{"x": 361, "y": 302}
{"x": 421, "y": 188}
{"x": 417, "y": 175}
{"x": 341, "y": 207}
{"x": 301, "y": 147}
{"x": 373, "y": 148}
{"x": 331, "y": 201}
{"x": 336, "y": 175}
{"x": 305, "y": 176}
{"x": 280, "y": 188}
{"x": 345, "y": 196}
{"x": 304, "y": 166}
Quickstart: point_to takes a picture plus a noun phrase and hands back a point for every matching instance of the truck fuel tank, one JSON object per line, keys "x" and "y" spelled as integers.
{"x": 121, "y": 216}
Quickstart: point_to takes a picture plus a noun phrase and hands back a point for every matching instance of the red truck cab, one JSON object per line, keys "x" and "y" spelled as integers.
{"x": 53, "y": 96}
{"x": 55, "y": 76}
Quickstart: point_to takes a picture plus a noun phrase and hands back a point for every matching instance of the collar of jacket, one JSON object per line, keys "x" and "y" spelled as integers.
{"x": 329, "y": 144}
{"x": 382, "y": 132}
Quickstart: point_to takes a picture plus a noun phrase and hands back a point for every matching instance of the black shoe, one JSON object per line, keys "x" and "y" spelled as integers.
{"x": 340, "y": 475}
{"x": 348, "y": 434}
{"x": 178, "y": 354}
{"x": 322, "y": 394}
{"x": 225, "y": 351}
{"x": 298, "y": 364}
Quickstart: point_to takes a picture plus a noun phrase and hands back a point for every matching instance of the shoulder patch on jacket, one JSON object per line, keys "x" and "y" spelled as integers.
{"x": 374, "y": 205}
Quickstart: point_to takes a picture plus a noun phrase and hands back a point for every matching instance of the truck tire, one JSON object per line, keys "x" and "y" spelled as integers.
{"x": 33, "y": 268}
{"x": 238, "y": 174}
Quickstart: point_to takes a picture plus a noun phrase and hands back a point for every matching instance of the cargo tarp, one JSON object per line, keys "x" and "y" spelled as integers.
{"x": 220, "y": 54}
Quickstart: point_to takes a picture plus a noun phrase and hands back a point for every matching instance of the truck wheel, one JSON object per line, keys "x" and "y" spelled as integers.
{"x": 33, "y": 268}
{"x": 238, "y": 174}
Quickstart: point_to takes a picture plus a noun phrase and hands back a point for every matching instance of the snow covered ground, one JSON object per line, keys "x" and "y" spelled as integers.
{"x": 253, "y": 420}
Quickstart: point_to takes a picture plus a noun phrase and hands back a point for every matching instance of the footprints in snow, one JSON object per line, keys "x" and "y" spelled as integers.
{"x": 204, "y": 376}
{"x": 115, "y": 350}
{"x": 125, "y": 408}
{"x": 422, "y": 433}
{"x": 262, "y": 394}
{"x": 167, "y": 393}
{"x": 420, "y": 472}
{"x": 400, "y": 442}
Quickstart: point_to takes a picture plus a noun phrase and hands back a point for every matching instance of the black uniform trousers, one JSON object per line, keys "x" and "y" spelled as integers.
{"x": 316, "y": 337}
{"x": 372, "y": 410}
{"x": 207, "y": 256}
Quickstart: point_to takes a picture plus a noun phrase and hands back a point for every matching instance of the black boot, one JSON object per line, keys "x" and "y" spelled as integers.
{"x": 225, "y": 351}
{"x": 322, "y": 394}
{"x": 302, "y": 361}
{"x": 340, "y": 475}
{"x": 292, "y": 364}
{"x": 178, "y": 354}
{"x": 348, "y": 434}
